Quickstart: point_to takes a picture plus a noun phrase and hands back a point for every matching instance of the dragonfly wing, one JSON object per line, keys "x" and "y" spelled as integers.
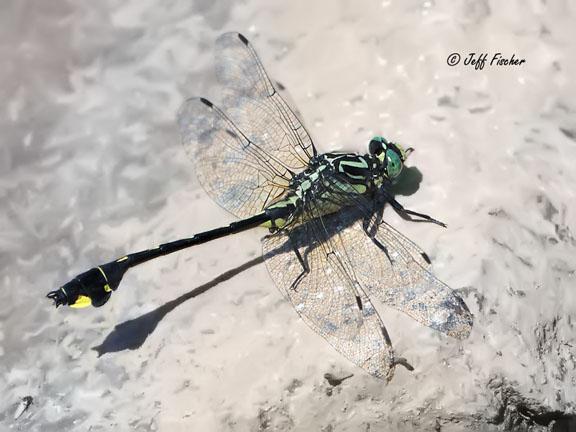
{"x": 412, "y": 248}
{"x": 237, "y": 172}
{"x": 396, "y": 271}
{"x": 325, "y": 296}
{"x": 414, "y": 290}
{"x": 257, "y": 106}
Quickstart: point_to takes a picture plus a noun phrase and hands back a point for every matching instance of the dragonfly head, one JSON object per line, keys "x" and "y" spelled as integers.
{"x": 389, "y": 156}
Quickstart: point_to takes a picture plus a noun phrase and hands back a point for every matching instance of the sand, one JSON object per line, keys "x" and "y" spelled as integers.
{"x": 91, "y": 168}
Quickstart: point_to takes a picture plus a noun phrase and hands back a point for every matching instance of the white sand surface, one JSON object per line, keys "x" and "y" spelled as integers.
{"x": 91, "y": 168}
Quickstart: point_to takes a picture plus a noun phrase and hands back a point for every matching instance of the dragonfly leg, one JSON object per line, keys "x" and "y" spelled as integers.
{"x": 407, "y": 214}
{"x": 371, "y": 235}
{"x": 303, "y": 263}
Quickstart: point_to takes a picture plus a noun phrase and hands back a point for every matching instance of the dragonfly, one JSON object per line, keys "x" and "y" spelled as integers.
{"x": 328, "y": 248}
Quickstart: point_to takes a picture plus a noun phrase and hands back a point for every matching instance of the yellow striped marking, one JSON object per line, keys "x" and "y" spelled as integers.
{"x": 106, "y": 287}
{"x": 103, "y": 274}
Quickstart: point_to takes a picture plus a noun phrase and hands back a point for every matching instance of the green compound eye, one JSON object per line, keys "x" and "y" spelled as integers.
{"x": 393, "y": 164}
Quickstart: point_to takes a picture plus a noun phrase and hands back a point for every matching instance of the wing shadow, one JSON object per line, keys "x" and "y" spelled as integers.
{"x": 131, "y": 334}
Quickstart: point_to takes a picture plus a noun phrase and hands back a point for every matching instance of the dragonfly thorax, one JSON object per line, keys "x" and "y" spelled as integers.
{"x": 332, "y": 180}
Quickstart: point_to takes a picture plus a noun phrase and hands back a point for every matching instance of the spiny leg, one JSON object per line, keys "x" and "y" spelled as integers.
{"x": 406, "y": 213}
{"x": 372, "y": 236}
{"x": 303, "y": 263}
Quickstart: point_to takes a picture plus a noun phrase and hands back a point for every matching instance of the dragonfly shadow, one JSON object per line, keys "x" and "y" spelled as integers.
{"x": 131, "y": 334}
{"x": 408, "y": 182}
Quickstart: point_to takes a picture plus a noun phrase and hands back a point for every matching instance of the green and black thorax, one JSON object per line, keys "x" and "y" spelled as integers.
{"x": 333, "y": 180}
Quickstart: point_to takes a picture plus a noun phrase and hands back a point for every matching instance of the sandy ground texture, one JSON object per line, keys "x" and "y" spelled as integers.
{"x": 91, "y": 168}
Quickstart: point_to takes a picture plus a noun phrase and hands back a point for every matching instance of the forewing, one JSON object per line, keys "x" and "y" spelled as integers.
{"x": 257, "y": 107}
{"x": 414, "y": 291}
{"x": 393, "y": 269}
{"x": 325, "y": 297}
{"x": 412, "y": 248}
{"x": 237, "y": 172}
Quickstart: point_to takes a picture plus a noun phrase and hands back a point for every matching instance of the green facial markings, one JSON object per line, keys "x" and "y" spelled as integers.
{"x": 393, "y": 164}
{"x": 391, "y": 156}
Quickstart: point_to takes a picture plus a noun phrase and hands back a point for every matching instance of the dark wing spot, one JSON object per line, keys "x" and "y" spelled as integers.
{"x": 206, "y": 102}
{"x": 243, "y": 39}
{"x": 386, "y": 336}
{"x": 426, "y": 258}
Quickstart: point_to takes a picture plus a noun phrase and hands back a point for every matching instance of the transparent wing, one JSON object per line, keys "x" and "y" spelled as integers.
{"x": 237, "y": 172}
{"x": 395, "y": 270}
{"x": 412, "y": 248}
{"x": 394, "y": 275}
{"x": 257, "y": 107}
{"x": 245, "y": 158}
{"x": 327, "y": 297}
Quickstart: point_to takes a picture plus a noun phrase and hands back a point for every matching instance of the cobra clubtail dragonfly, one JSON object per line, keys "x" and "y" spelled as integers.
{"x": 328, "y": 249}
